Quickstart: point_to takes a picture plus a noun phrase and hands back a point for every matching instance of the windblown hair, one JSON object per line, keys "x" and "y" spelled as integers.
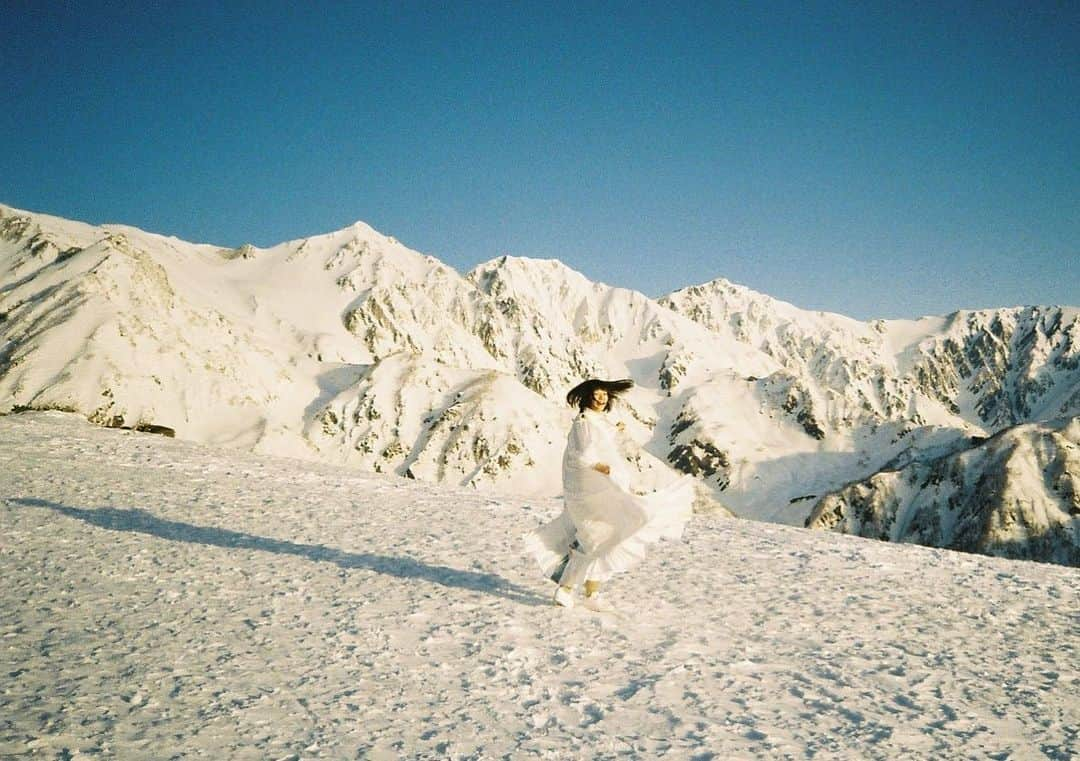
{"x": 581, "y": 394}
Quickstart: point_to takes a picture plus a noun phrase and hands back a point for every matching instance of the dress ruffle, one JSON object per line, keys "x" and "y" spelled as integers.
{"x": 639, "y": 521}
{"x": 550, "y": 544}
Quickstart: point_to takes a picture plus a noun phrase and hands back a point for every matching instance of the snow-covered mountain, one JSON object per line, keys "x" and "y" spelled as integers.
{"x": 907, "y": 396}
{"x": 351, "y": 348}
{"x": 1016, "y": 494}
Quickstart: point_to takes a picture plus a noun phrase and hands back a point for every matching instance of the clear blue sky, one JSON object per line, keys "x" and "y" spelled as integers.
{"x": 875, "y": 159}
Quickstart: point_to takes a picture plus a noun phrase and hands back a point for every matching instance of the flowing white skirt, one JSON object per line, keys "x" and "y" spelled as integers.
{"x": 607, "y": 532}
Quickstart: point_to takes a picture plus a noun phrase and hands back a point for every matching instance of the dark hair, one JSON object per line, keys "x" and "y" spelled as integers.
{"x": 581, "y": 394}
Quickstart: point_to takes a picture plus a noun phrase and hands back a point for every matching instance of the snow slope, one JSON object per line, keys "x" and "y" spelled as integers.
{"x": 163, "y": 599}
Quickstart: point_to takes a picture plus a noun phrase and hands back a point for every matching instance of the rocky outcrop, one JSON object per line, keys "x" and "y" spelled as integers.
{"x": 1016, "y": 494}
{"x": 1006, "y": 366}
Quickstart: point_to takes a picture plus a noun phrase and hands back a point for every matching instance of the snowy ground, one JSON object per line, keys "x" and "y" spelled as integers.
{"x": 161, "y": 599}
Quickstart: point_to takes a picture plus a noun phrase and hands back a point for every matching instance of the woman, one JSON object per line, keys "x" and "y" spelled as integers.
{"x": 604, "y": 527}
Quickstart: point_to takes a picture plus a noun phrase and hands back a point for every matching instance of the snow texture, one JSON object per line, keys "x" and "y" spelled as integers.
{"x": 163, "y": 599}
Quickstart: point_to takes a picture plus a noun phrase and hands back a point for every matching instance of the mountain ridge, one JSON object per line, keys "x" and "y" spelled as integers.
{"x": 352, "y": 348}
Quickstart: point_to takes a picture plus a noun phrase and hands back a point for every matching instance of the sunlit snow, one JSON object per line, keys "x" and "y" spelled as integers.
{"x": 165, "y": 599}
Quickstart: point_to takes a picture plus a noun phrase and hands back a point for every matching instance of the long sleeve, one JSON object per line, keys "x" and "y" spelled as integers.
{"x": 589, "y": 443}
{"x": 581, "y": 445}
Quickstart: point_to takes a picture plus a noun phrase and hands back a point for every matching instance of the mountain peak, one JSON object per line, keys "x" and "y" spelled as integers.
{"x": 527, "y": 272}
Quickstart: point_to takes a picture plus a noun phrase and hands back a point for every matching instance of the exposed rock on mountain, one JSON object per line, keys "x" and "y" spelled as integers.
{"x": 1005, "y": 367}
{"x": 1016, "y": 495}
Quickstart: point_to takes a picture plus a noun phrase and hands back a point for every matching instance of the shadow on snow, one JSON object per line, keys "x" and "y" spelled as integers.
{"x": 142, "y": 522}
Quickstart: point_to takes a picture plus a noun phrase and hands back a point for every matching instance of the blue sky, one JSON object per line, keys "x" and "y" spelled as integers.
{"x": 874, "y": 159}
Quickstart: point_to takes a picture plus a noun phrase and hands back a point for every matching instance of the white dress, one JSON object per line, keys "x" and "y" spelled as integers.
{"x": 604, "y": 527}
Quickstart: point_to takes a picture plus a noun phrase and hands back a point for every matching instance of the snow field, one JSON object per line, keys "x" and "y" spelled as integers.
{"x": 162, "y": 599}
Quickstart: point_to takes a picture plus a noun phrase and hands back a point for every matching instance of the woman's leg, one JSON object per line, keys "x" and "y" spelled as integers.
{"x": 577, "y": 570}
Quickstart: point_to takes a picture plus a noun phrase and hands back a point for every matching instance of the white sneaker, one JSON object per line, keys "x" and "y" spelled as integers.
{"x": 563, "y": 598}
{"x": 598, "y": 604}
